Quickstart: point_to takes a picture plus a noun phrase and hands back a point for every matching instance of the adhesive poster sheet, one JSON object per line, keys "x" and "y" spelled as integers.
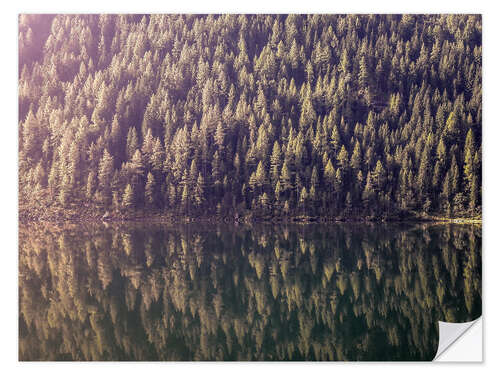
{"x": 232, "y": 187}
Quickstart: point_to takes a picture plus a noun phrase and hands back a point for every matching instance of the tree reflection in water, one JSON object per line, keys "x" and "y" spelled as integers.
{"x": 261, "y": 292}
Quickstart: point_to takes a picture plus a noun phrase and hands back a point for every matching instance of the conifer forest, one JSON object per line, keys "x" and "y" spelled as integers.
{"x": 250, "y": 116}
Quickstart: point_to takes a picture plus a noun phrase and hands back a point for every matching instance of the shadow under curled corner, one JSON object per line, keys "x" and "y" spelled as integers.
{"x": 451, "y": 333}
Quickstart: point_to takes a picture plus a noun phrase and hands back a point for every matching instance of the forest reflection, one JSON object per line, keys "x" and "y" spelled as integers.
{"x": 261, "y": 292}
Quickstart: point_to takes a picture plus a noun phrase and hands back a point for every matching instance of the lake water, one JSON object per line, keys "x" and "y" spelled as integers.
{"x": 238, "y": 292}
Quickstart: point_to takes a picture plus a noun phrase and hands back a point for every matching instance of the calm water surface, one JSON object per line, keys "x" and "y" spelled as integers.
{"x": 261, "y": 292}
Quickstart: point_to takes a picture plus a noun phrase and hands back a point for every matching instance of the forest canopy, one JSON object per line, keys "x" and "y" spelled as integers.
{"x": 268, "y": 115}
{"x": 146, "y": 292}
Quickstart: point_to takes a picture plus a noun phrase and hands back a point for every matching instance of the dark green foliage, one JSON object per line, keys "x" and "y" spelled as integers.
{"x": 319, "y": 115}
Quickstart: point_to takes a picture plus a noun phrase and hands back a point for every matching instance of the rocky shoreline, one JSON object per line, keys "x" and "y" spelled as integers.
{"x": 96, "y": 216}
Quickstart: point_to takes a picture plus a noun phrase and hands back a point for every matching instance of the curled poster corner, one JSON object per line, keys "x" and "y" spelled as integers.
{"x": 451, "y": 332}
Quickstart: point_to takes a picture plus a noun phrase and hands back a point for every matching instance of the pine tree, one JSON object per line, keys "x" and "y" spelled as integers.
{"x": 150, "y": 195}
{"x": 338, "y": 182}
{"x": 454, "y": 176}
{"x": 219, "y": 136}
{"x": 185, "y": 199}
{"x": 335, "y": 138}
{"x": 452, "y": 125}
{"x": 264, "y": 202}
{"x": 368, "y": 192}
{"x": 314, "y": 178}
{"x": 136, "y": 165}
{"x": 469, "y": 169}
{"x": 343, "y": 159}
{"x": 329, "y": 173}
{"x": 424, "y": 173}
{"x": 277, "y": 191}
{"x": 199, "y": 190}
{"x": 285, "y": 177}
{"x": 356, "y": 157}
{"x": 65, "y": 190}
{"x": 91, "y": 184}
{"x": 473, "y": 194}
{"x": 53, "y": 179}
{"x": 275, "y": 162}
{"x": 39, "y": 175}
{"x": 74, "y": 165}
{"x": 348, "y": 203}
{"x": 105, "y": 174}
{"x": 260, "y": 175}
{"x": 115, "y": 201}
{"x": 363, "y": 76}
{"x": 128, "y": 200}
{"x": 116, "y": 135}
{"x": 31, "y": 137}
{"x": 303, "y": 197}
{"x": 157, "y": 156}
{"x": 312, "y": 195}
{"x": 171, "y": 196}
{"x": 307, "y": 114}
{"x": 147, "y": 147}
{"x": 132, "y": 142}
{"x": 379, "y": 177}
